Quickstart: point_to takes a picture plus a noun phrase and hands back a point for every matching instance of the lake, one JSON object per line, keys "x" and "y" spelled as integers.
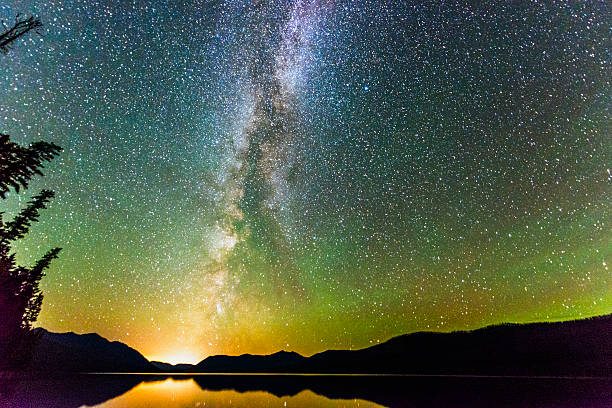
{"x": 274, "y": 390}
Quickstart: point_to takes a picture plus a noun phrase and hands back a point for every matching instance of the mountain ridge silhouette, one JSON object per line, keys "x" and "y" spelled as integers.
{"x": 572, "y": 348}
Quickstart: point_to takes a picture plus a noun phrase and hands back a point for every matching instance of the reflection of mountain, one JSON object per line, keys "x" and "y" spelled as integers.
{"x": 415, "y": 391}
{"x": 576, "y": 348}
{"x": 66, "y": 392}
{"x": 70, "y": 352}
{"x": 395, "y": 391}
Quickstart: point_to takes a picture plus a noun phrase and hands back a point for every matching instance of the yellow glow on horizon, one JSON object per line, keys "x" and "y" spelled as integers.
{"x": 177, "y": 357}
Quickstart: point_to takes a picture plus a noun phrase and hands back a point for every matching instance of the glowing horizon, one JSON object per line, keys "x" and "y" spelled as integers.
{"x": 180, "y": 357}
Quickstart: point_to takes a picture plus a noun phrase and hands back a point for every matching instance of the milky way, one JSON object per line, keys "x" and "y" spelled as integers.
{"x": 248, "y": 176}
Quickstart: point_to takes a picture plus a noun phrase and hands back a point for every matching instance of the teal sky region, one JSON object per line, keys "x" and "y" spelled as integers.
{"x": 249, "y": 176}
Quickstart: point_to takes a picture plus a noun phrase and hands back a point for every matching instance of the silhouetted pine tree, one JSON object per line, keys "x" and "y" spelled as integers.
{"x": 20, "y": 295}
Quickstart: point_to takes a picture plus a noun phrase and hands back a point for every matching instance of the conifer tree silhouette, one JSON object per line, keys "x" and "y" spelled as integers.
{"x": 20, "y": 295}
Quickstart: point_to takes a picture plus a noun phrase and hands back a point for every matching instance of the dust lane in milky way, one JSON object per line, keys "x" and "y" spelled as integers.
{"x": 247, "y": 176}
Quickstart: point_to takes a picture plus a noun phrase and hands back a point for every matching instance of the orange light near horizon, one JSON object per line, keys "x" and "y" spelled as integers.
{"x": 177, "y": 357}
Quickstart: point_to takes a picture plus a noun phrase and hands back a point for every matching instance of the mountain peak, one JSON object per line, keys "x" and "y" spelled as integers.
{"x": 86, "y": 353}
{"x": 286, "y": 353}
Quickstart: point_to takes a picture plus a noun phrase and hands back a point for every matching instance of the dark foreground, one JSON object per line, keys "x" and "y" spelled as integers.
{"x": 127, "y": 390}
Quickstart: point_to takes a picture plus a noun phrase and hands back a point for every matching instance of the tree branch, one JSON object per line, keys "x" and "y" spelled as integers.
{"x": 21, "y": 224}
{"x": 21, "y": 27}
{"x": 19, "y": 164}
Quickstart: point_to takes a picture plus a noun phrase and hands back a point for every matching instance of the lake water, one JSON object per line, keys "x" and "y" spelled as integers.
{"x": 187, "y": 393}
{"x": 236, "y": 390}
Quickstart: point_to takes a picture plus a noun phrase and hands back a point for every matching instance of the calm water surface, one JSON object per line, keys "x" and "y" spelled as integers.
{"x": 181, "y": 391}
{"x": 187, "y": 393}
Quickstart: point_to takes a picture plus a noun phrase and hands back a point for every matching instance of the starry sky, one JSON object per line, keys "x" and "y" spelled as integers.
{"x": 249, "y": 176}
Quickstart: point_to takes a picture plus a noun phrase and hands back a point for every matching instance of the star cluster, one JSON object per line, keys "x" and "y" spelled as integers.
{"x": 249, "y": 176}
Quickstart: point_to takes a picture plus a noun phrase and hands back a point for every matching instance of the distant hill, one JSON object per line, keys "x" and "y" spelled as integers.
{"x": 70, "y": 352}
{"x": 574, "y": 348}
{"x": 282, "y": 361}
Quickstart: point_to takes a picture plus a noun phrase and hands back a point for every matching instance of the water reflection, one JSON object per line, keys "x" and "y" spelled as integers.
{"x": 128, "y": 391}
{"x": 187, "y": 393}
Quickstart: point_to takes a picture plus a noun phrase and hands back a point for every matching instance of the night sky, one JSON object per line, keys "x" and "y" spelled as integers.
{"x": 248, "y": 176}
